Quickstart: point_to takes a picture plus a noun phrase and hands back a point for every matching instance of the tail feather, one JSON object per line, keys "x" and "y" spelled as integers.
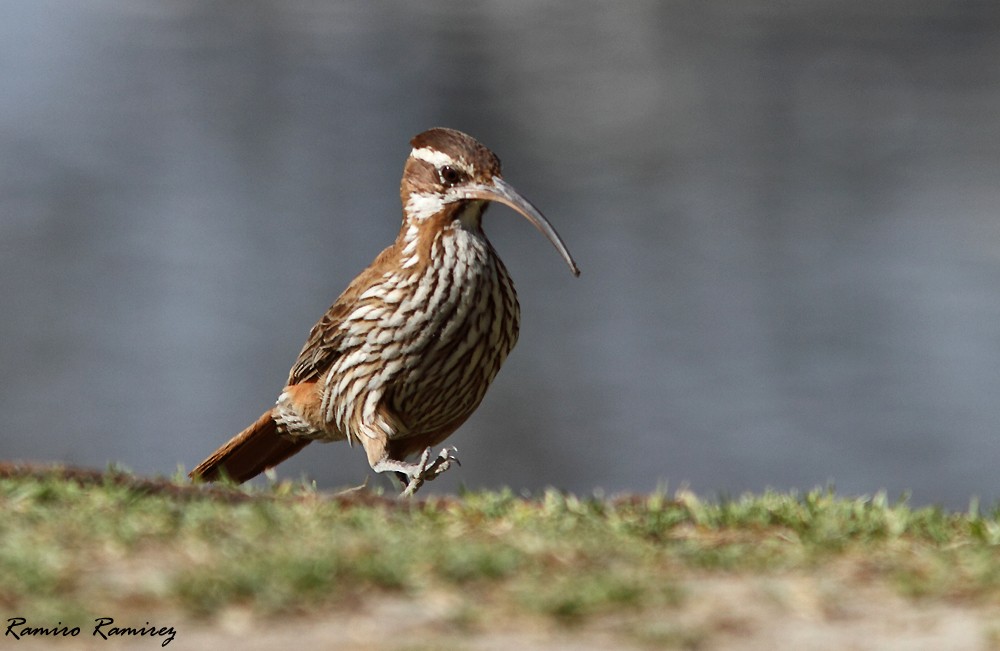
{"x": 249, "y": 453}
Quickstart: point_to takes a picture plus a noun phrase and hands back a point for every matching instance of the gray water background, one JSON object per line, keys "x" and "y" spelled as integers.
{"x": 786, "y": 214}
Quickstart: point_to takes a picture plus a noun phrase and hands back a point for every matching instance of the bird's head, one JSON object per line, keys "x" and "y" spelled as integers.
{"x": 448, "y": 181}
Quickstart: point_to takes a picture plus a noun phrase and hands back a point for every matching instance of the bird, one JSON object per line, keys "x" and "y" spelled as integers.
{"x": 406, "y": 353}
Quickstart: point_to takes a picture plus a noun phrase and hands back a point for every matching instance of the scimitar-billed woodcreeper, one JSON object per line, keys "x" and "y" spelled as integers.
{"x": 406, "y": 353}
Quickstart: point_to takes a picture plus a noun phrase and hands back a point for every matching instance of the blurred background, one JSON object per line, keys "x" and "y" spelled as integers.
{"x": 785, "y": 214}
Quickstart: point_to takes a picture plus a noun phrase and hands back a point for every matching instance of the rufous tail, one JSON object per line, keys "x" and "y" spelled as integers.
{"x": 249, "y": 453}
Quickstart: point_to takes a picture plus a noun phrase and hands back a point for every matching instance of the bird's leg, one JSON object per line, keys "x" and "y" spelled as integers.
{"x": 415, "y": 474}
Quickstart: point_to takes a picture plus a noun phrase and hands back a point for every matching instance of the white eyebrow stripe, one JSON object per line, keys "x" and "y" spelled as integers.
{"x": 440, "y": 159}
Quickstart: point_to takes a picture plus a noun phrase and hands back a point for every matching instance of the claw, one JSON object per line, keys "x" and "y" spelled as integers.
{"x": 425, "y": 470}
{"x": 443, "y": 461}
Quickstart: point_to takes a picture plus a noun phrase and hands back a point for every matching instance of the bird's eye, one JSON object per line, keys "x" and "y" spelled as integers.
{"x": 450, "y": 175}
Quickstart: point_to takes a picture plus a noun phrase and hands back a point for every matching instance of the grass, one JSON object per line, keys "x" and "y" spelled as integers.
{"x": 75, "y": 544}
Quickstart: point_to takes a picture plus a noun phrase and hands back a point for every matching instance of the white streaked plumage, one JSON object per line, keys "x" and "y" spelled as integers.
{"x": 415, "y": 341}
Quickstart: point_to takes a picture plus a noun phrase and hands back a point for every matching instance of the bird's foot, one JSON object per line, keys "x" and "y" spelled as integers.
{"x": 425, "y": 469}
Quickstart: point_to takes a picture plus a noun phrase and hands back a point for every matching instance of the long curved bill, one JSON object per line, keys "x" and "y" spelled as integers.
{"x": 501, "y": 192}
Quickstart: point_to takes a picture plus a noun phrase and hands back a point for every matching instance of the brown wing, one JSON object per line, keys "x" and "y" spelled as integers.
{"x": 325, "y": 341}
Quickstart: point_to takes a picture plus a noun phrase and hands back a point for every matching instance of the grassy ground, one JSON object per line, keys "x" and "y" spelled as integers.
{"x": 651, "y": 571}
